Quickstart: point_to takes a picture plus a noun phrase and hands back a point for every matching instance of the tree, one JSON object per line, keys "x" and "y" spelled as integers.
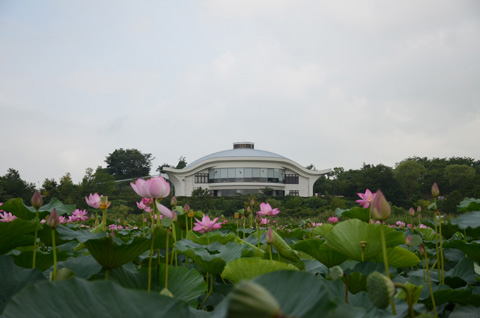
{"x": 160, "y": 168}
{"x": 460, "y": 176}
{"x": 409, "y": 175}
{"x": 49, "y": 189}
{"x": 67, "y": 191}
{"x": 12, "y": 186}
{"x": 182, "y": 163}
{"x": 129, "y": 163}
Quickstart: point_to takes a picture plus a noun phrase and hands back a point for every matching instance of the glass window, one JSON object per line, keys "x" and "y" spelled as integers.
{"x": 231, "y": 173}
{"x": 248, "y": 172}
{"x": 256, "y": 172}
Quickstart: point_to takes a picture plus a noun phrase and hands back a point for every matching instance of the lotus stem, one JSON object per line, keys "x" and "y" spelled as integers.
{"x": 270, "y": 250}
{"x": 166, "y": 261}
{"x": 385, "y": 261}
{"x": 436, "y": 245}
{"x": 441, "y": 250}
{"x": 107, "y": 271}
{"x": 54, "y": 275}
{"x": 186, "y": 224}
{"x": 346, "y": 287}
{"x": 258, "y": 235}
{"x": 150, "y": 259}
{"x": 105, "y": 220}
{"x": 430, "y": 285}
{"x": 37, "y": 222}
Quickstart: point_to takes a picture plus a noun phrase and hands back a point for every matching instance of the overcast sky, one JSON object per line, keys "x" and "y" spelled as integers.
{"x": 330, "y": 83}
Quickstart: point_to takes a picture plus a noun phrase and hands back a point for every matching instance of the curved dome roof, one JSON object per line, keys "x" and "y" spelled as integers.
{"x": 239, "y": 150}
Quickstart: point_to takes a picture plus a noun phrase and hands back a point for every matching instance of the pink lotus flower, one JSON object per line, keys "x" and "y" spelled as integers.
{"x": 7, "y": 217}
{"x": 266, "y": 210}
{"x": 144, "y": 207}
{"x": 78, "y": 216}
{"x": 333, "y": 219}
{"x": 93, "y": 200}
{"x": 206, "y": 225}
{"x": 166, "y": 211}
{"x": 155, "y": 187}
{"x": 366, "y": 198}
{"x": 264, "y": 221}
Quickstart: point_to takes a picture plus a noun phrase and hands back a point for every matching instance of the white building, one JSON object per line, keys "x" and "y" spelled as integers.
{"x": 244, "y": 170}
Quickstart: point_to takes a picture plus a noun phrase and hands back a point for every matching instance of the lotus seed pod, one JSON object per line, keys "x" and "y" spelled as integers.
{"x": 380, "y": 289}
{"x": 336, "y": 272}
{"x": 248, "y": 299}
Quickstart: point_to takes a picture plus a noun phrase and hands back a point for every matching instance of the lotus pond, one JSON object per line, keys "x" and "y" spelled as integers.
{"x": 170, "y": 267}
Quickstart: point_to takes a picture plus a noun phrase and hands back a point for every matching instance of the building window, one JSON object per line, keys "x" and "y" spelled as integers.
{"x": 271, "y": 175}
{"x": 293, "y": 193}
{"x": 201, "y": 178}
{"x": 291, "y": 178}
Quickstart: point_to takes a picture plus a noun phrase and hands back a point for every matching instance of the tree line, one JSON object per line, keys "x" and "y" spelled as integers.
{"x": 407, "y": 184}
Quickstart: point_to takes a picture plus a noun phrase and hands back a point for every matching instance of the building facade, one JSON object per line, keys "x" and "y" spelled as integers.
{"x": 244, "y": 170}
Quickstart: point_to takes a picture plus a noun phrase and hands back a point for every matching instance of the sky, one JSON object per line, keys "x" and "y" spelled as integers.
{"x": 330, "y": 83}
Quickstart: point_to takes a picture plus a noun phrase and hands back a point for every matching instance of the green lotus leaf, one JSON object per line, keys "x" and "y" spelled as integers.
{"x": 323, "y": 229}
{"x": 346, "y": 238}
{"x": 428, "y": 234}
{"x": 211, "y": 263}
{"x": 111, "y": 252}
{"x": 471, "y": 249}
{"x": 321, "y": 252}
{"x": 45, "y": 236}
{"x": 185, "y": 284}
{"x": 81, "y": 298}
{"x": 15, "y": 233}
{"x": 299, "y": 294}
{"x": 18, "y": 208}
{"x": 82, "y": 236}
{"x": 212, "y": 237}
{"x": 14, "y": 279}
{"x": 84, "y": 266}
{"x": 469, "y": 205}
{"x": 465, "y": 269}
{"x": 248, "y": 268}
{"x": 467, "y": 220}
{"x": 43, "y": 261}
{"x": 357, "y": 213}
{"x": 399, "y": 257}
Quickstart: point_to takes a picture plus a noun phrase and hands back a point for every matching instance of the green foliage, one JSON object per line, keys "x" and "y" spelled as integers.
{"x": 128, "y": 163}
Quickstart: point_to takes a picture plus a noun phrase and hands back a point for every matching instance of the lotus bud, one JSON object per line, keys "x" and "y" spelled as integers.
{"x": 411, "y": 212}
{"x": 380, "y": 208}
{"x": 363, "y": 245}
{"x": 37, "y": 200}
{"x": 258, "y": 219}
{"x": 336, "y": 272}
{"x": 421, "y": 249}
{"x": 248, "y": 209}
{"x": 419, "y": 209}
{"x": 186, "y": 208}
{"x": 380, "y": 289}
{"x": 53, "y": 220}
{"x": 173, "y": 202}
{"x": 248, "y": 299}
{"x": 435, "y": 190}
{"x": 269, "y": 236}
{"x": 408, "y": 241}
